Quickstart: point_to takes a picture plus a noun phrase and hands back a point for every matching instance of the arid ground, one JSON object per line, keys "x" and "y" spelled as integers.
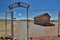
{"x": 36, "y": 32}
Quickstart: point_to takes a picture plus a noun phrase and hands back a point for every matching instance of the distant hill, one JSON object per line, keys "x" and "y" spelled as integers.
{"x": 26, "y": 20}
{"x": 54, "y": 20}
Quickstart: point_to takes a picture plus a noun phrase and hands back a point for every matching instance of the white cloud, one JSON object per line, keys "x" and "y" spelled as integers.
{"x": 15, "y": 13}
{"x": 19, "y": 14}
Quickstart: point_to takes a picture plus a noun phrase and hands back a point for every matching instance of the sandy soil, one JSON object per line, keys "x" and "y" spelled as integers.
{"x": 37, "y": 32}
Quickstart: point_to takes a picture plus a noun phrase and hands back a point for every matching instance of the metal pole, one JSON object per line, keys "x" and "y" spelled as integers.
{"x": 6, "y": 23}
{"x": 58, "y": 23}
{"x": 12, "y": 28}
{"x": 27, "y": 26}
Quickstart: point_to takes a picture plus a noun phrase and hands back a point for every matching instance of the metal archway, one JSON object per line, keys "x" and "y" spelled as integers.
{"x": 15, "y": 5}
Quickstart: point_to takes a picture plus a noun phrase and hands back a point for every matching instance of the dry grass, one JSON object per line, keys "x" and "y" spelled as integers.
{"x": 2, "y": 28}
{"x": 16, "y": 25}
{"x": 46, "y": 38}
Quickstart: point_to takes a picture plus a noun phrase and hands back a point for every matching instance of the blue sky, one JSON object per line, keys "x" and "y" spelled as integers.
{"x": 37, "y": 7}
